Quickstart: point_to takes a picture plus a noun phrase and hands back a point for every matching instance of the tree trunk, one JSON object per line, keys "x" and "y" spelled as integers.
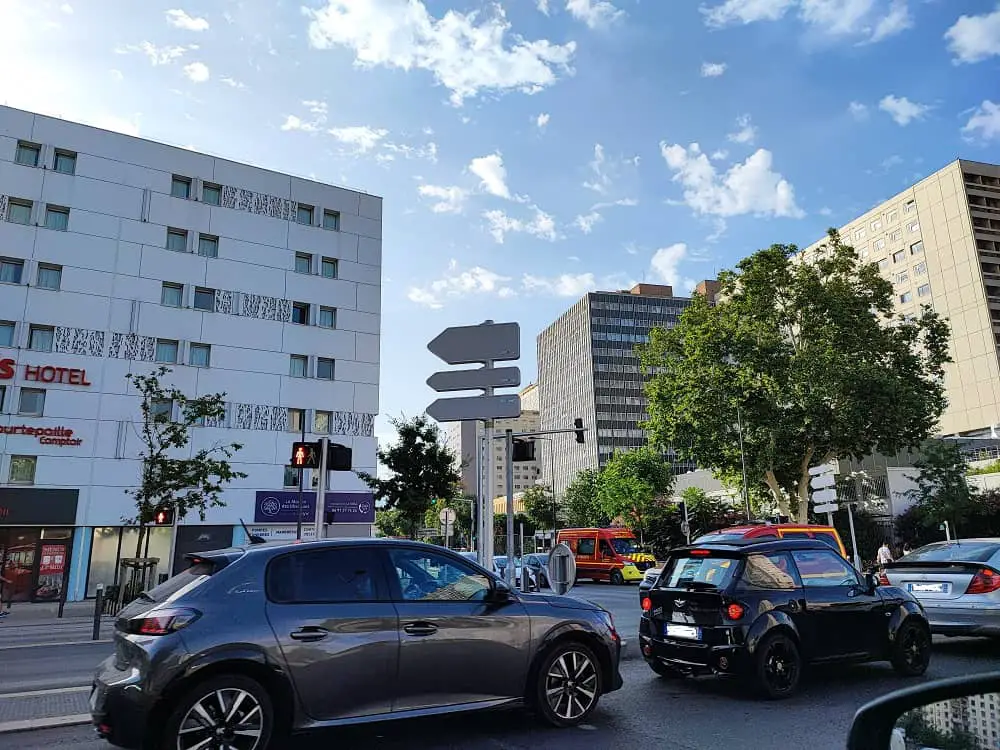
{"x": 776, "y": 493}
{"x": 140, "y": 536}
{"x": 803, "y": 489}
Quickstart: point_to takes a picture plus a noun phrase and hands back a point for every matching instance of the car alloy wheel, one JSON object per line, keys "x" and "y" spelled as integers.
{"x": 616, "y": 578}
{"x": 570, "y": 684}
{"x": 226, "y": 713}
{"x": 911, "y": 650}
{"x": 779, "y": 666}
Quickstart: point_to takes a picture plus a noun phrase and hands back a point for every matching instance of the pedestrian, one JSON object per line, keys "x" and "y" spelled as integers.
{"x": 4, "y": 582}
{"x": 884, "y": 556}
{"x": 906, "y": 549}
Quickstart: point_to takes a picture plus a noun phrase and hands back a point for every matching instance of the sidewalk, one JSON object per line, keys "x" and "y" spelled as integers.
{"x": 27, "y": 612}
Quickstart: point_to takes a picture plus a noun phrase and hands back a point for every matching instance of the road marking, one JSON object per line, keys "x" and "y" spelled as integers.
{"x": 56, "y": 643}
{"x": 48, "y": 691}
{"x": 25, "y": 725}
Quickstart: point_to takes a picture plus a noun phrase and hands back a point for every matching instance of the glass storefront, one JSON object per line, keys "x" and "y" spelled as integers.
{"x": 111, "y": 543}
{"x": 35, "y": 562}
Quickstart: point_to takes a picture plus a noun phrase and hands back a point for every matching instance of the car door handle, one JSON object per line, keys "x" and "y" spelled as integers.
{"x": 309, "y": 634}
{"x": 420, "y": 628}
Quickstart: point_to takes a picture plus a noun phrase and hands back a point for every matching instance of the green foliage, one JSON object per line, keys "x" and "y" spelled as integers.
{"x": 802, "y": 356}
{"x": 462, "y": 527}
{"x": 580, "y": 501}
{"x": 194, "y": 483}
{"x": 390, "y": 522}
{"x": 421, "y": 469}
{"x": 918, "y": 527}
{"x": 707, "y": 513}
{"x": 942, "y": 491}
{"x": 991, "y": 468}
{"x": 633, "y": 487}
{"x": 540, "y": 507}
{"x": 500, "y": 532}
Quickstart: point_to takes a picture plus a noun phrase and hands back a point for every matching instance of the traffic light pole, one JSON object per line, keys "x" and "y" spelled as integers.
{"x": 509, "y": 460}
{"x": 321, "y": 487}
{"x": 298, "y": 524}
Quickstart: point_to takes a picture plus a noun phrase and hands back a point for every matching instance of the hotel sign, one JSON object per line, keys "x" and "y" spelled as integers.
{"x": 45, "y": 435}
{"x": 44, "y": 373}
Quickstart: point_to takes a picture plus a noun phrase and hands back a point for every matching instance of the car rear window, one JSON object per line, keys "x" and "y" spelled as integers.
{"x": 954, "y": 551}
{"x": 199, "y": 570}
{"x": 829, "y": 538}
{"x": 702, "y": 571}
{"x": 733, "y": 538}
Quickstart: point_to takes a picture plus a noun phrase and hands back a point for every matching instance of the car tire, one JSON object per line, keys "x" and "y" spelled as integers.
{"x": 249, "y": 706}
{"x": 911, "y": 649}
{"x": 777, "y": 666}
{"x": 664, "y": 671}
{"x": 616, "y": 577}
{"x": 567, "y": 685}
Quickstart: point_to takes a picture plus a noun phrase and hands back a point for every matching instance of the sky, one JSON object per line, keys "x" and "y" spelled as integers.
{"x": 530, "y": 151}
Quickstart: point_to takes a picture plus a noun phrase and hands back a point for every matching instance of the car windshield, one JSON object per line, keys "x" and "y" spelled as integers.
{"x": 697, "y": 571}
{"x": 625, "y": 546}
{"x": 970, "y": 551}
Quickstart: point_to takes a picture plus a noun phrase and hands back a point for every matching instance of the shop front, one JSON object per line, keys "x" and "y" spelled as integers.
{"x": 36, "y": 542}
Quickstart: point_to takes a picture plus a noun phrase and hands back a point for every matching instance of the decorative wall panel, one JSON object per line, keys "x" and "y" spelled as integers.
{"x": 132, "y": 346}
{"x": 3, "y": 207}
{"x": 351, "y": 423}
{"x": 79, "y": 341}
{"x": 266, "y": 308}
{"x": 258, "y": 203}
{"x": 275, "y": 419}
{"x": 224, "y": 302}
{"x": 218, "y": 421}
{"x": 254, "y": 416}
{"x": 279, "y": 418}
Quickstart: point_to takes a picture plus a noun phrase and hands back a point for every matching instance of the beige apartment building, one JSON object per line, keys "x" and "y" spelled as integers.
{"x": 938, "y": 242}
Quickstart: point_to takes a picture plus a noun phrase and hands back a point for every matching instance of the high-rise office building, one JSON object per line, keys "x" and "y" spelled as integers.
{"x": 588, "y": 369}
{"x": 938, "y": 242}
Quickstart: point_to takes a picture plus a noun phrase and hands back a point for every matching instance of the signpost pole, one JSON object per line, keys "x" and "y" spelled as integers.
{"x": 854, "y": 539}
{"x": 324, "y": 443}
{"x": 509, "y": 460}
{"x": 298, "y": 524}
{"x": 486, "y": 500}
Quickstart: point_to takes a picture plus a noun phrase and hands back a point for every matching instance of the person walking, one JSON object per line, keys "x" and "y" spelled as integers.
{"x": 884, "y": 555}
{"x": 4, "y": 611}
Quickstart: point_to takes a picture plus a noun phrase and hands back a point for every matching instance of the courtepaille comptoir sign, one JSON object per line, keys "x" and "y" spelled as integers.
{"x": 45, "y": 435}
{"x": 43, "y": 373}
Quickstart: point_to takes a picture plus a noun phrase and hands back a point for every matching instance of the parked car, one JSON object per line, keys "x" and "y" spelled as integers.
{"x": 500, "y": 566}
{"x": 764, "y": 611}
{"x": 957, "y": 582}
{"x": 606, "y": 554}
{"x": 648, "y": 579}
{"x": 260, "y": 641}
{"x": 762, "y": 531}
{"x": 538, "y": 564}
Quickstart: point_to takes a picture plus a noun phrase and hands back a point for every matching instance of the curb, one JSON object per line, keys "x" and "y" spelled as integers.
{"x": 27, "y": 725}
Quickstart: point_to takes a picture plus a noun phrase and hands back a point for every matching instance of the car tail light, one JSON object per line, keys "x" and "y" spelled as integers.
{"x": 985, "y": 581}
{"x": 647, "y": 604}
{"x": 700, "y": 552}
{"x": 883, "y": 579}
{"x": 163, "y": 621}
{"x": 735, "y": 611}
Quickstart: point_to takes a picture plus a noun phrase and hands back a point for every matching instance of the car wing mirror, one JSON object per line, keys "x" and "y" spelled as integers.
{"x": 916, "y": 717}
{"x": 500, "y": 591}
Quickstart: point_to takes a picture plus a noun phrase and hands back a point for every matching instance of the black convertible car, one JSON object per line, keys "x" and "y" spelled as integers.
{"x": 762, "y": 611}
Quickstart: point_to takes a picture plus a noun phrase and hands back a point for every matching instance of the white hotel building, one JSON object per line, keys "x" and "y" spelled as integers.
{"x": 118, "y": 254}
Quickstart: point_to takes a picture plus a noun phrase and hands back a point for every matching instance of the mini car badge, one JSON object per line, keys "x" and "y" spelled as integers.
{"x": 680, "y": 603}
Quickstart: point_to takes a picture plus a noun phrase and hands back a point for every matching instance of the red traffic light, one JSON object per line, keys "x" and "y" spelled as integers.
{"x": 305, "y": 455}
{"x": 163, "y": 517}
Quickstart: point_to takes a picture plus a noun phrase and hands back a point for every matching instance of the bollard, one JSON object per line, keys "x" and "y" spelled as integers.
{"x": 98, "y": 611}
{"x": 62, "y": 596}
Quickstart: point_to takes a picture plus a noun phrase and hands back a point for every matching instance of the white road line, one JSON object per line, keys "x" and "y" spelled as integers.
{"x": 25, "y": 725}
{"x": 49, "y": 691}
{"x": 49, "y": 645}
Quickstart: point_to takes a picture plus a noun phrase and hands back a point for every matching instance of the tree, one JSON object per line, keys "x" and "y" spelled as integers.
{"x": 705, "y": 512}
{"x": 943, "y": 492}
{"x": 421, "y": 470}
{"x": 805, "y": 361}
{"x": 632, "y": 487}
{"x": 539, "y": 506}
{"x": 462, "y": 526}
{"x": 389, "y": 521}
{"x": 168, "y": 480}
{"x": 580, "y": 502}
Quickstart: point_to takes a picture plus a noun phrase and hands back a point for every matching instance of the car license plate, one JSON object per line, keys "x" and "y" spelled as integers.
{"x": 688, "y": 632}
{"x": 927, "y": 588}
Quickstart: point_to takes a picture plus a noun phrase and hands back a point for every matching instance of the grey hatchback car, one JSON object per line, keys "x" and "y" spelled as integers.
{"x": 250, "y": 644}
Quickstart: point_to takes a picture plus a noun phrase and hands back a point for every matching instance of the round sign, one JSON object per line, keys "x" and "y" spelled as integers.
{"x": 561, "y": 569}
{"x": 270, "y": 507}
{"x": 447, "y": 516}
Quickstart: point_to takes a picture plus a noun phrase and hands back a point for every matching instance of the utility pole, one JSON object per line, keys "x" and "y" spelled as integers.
{"x": 509, "y": 569}
{"x": 324, "y": 445}
{"x": 743, "y": 460}
{"x": 298, "y": 524}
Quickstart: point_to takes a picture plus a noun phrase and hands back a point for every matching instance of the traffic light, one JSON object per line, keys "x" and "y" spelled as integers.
{"x": 524, "y": 450}
{"x": 163, "y": 516}
{"x": 305, "y": 456}
{"x": 578, "y": 424}
{"x": 338, "y": 457}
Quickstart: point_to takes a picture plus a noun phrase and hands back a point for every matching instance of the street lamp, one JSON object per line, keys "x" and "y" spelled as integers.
{"x": 552, "y": 478}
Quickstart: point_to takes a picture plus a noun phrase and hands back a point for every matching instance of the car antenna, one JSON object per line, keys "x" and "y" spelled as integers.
{"x": 254, "y": 539}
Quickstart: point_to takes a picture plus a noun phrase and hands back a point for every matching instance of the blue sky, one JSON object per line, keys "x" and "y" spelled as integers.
{"x": 530, "y": 151}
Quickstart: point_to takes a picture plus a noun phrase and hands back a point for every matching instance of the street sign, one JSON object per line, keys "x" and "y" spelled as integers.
{"x": 447, "y": 516}
{"x": 467, "y": 380}
{"x": 486, "y": 342}
{"x": 823, "y": 476}
{"x": 561, "y": 569}
{"x": 685, "y": 528}
{"x": 825, "y": 496}
{"x": 830, "y": 508}
{"x": 475, "y": 407}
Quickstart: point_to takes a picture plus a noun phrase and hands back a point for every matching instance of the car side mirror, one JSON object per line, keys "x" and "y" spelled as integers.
{"x": 913, "y": 717}
{"x": 871, "y": 582}
{"x": 500, "y": 591}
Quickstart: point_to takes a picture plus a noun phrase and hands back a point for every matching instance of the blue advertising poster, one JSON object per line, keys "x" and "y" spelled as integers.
{"x": 282, "y": 506}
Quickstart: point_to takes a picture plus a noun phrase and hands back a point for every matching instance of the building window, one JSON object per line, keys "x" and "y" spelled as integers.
{"x": 162, "y": 410}
{"x": 204, "y": 299}
{"x": 177, "y": 240}
{"x": 914, "y": 226}
{"x": 304, "y": 215}
{"x": 329, "y": 268}
{"x": 32, "y": 402}
{"x": 18, "y": 211}
{"x": 11, "y": 270}
{"x": 166, "y": 351}
{"x": 200, "y": 355}
{"x": 27, "y": 154}
{"x": 3, "y": 397}
{"x": 300, "y": 313}
{"x": 296, "y": 418}
{"x": 859, "y": 234}
{"x": 917, "y": 247}
{"x": 909, "y": 207}
{"x": 171, "y": 294}
{"x": 65, "y": 162}
{"x": 211, "y": 194}
{"x": 303, "y": 263}
{"x": 893, "y": 216}
{"x": 208, "y": 246}
{"x": 49, "y": 276}
{"x": 324, "y": 368}
{"x": 22, "y": 469}
{"x": 880, "y": 243}
{"x": 920, "y": 269}
{"x": 876, "y": 225}
{"x": 902, "y": 277}
{"x": 180, "y": 187}
{"x": 298, "y": 365}
{"x": 923, "y": 290}
{"x": 56, "y": 218}
{"x": 331, "y": 220}
{"x": 905, "y": 297}
{"x": 6, "y": 333}
{"x": 327, "y": 317}
{"x": 322, "y": 422}
{"x": 291, "y": 477}
{"x": 40, "y": 338}
{"x": 898, "y": 256}
{"x": 896, "y": 236}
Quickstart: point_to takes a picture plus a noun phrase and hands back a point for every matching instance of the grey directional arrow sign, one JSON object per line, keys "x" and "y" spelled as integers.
{"x": 467, "y": 380}
{"x": 475, "y": 407}
{"x": 464, "y": 345}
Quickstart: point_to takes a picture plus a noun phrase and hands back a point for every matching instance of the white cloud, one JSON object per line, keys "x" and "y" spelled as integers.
{"x": 239, "y": 85}
{"x": 182, "y": 20}
{"x": 746, "y": 11}
{"x": 585, "y": 222}
{"x": 858, "y": 111}
{"x": 826, "y": 211}
{"x": 602, "y": 180}
{"x": 156, "y": 55}
{"x": 450, "y": 200}
{"x": 872, "y": 20}
{"x": 66, "y": 8}
{"x": 665, "y": 263}
{"x": 456, "y": 283}
{"x": 563, "y": 285}
{"x": 361, "y": 137}
{"x": 975, "y": 38}
{"x": 316, "y": 107}
{"x": 392, "y": 150}
{"x": 128, "y": 126}
{"x": 750, "y": 187}
{"x": 594, "y": 13}
{"x": 541, "y": 225}
{"x": 466, "y": 55}
{"x": 295, "y": 123}
{"x": 712, "y": 70}
{"x": 746, "y": 132}
{"x": 117, "y": 75}
{"x": 491, "y": 173}
{"x": 902, "y": 110}
{"x": 542, "y": 120}
{"x": 543, "y": 6}
{"x": 197, "y": 72}
{"x": 896, "y": 21}
{"x": 984, "y": 122}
